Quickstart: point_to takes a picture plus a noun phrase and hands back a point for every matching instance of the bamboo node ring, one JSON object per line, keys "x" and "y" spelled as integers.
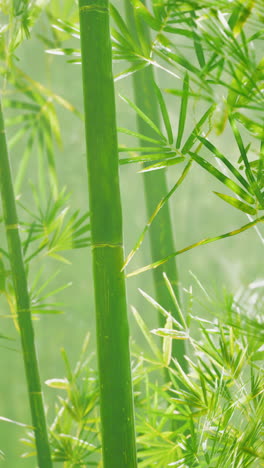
{"x": 96, "y": 246}
{"x": 9, "y": 227}
{"x": 99, "y": 8}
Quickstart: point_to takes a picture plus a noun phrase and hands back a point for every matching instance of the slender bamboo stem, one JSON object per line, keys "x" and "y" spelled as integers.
{"x": 23, "y": 304}
{"x": 155, "y": 187}
{"x": 116, "y": 401}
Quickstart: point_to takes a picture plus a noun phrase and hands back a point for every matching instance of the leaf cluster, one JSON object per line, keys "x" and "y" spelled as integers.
{"x": 210, "y": 415}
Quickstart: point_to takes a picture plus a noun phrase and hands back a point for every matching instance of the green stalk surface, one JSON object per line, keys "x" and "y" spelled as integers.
{"x": 155, "y": 188}
{"x": 116, "y": 397}
{"x": 23, "y": 304}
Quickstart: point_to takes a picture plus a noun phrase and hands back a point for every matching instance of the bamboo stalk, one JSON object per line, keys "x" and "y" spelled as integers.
{"x": 155, "y": 187}
{"x": 23, "y": 304}
{"x": 116, "y": 401}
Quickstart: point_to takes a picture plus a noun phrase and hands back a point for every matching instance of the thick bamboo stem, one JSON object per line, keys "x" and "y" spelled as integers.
{"x": 116, "y": 400}
{"x": 23, "y": 304}
{"x": 155, "y": 187}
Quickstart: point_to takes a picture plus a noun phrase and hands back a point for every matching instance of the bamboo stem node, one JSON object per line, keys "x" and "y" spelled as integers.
{"x": 111, "y": 246}
{"x": 98, "y": 8}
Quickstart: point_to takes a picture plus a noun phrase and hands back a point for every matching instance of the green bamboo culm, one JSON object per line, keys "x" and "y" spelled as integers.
{"x": 155, "y": 188}
{"x": 23, "y": 304}
{"x": 116, "y": 397}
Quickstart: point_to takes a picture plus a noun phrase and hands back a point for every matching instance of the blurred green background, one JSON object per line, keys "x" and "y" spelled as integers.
{"x": 196, "y": 213}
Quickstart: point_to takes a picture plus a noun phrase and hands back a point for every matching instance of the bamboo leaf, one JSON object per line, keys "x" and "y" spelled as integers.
{"x": 183, "y": 110}
{"x": 58, "y": 383}
{"x": 140, "y": 136}
{"x": 163, "y": 164}
{"x": 254, "y": 127}
{"x": 142, "y": 149}
{"x": 223, "y": 178}
{"x": 131, "y": 70}
{"x": 226, "y": 161}
{"x": 237, "y": 203}
{"x": 122, "y": 27}
{"x": 197, "y": 244}
{"x": 147, "y": 158}
{"x": 141, "y": 10}
{"x": 166, "y": 54}
{"x": 155, "y": 212}
{"x": 165, "y": 114}
{"x": 159, "y": 307}
{"x": 24, "y": 162}
{"x": 166, "y": 332}
{"x": 143, "y": 116}
{"x": 175, "y": 301}
{"x": 167, "y": 343}
{"x": 27, "y": 426}
{"x": 193, "y": 136}
{"x": 248, "y": 170}
{"x": 143, "y": 327}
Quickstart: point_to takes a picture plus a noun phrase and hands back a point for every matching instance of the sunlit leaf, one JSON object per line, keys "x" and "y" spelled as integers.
{"x": 223, "y": 178}
{"x": 237, "y": 203}
{"x": 183, "y": 110}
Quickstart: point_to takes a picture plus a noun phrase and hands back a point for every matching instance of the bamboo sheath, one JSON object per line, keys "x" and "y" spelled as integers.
{"x": 155, "y": 187}
{"x": 23, "y": 304}
{"x": 116, "y": 400}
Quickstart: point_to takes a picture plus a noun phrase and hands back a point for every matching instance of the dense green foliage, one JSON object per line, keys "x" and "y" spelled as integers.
{"x": 199, "y": 74}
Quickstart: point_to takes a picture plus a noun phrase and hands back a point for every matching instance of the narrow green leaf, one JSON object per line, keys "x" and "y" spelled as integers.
{"x": 144, "y": 117}
{"x": 183, "y": 110}
{"x": 49, "y": 149}
{"x": 180, "y": 60}
{"x": 175, "y": 301}
{"x": 192, "y": 246}
{"x": 165, "y": 114}
{"x": 154, "y": 214}
{"x": 166, "y": 332}
{"x": 143, "y": 327}
{"x": 19, "y": 135}
{"x": 178, "y": 92}
{"x": 58, "y": 383}
{"x": 167, "y": 343}
{"x": 223, "y": 178}
{"x": 180, "y": 31}
{"x": 141, "y": 10}
{"x": 24, "y": 162}
{"x": 122, "y": 27}
{"x": 148, "y": 157}
{"x": 254, "y": 127}
{"x": 237, "y": 203}
{"x": 27, "y": 426}
{"x": 159, "y": 308}
{"x": 193, "y": 136}
{"x": 139, "y": 136}
{"x": 197, "y": 42}
{"x": 226, "y": 161}
{"x": 142, "y": 149}
{"x": 248, "y": 170}
{"x": 24, "y": 105}
{"x": 163, "y": 164}
{"x": 129, "y": 71}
